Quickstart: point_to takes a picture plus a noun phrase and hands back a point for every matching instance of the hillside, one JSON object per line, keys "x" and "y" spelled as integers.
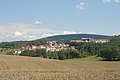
{"x": 75, "y": 36}
{"x": 28, "y": 68}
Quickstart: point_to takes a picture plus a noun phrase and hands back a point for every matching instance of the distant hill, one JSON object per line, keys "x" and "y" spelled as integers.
{"x": 75, "y": 36}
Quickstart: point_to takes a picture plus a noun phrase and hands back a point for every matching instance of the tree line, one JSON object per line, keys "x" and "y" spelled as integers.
{"x": 61, "y": 55}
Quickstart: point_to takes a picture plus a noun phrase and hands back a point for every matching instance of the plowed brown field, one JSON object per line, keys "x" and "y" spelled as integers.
{"x": 28, "y": 68}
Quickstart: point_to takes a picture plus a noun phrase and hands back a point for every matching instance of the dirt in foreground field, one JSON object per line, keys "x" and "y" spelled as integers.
{"x": 26, "y": 68}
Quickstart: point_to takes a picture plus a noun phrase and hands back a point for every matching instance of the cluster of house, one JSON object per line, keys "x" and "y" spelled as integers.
{"x": 51, "y": 46}
{"x": 91, "y": 40}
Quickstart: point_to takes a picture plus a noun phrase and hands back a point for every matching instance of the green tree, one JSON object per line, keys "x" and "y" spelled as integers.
{"x": 110, "y": 53}
{"x": 61, "y": 56}
{"x": 40, "y": 52}
{"x": 74, "y": 54}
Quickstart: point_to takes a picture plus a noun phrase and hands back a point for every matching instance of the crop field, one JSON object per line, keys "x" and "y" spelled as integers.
{"x": 28, "y": 68}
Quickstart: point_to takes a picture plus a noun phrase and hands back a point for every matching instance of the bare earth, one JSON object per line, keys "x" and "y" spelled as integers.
{"x": 27, "y": 68}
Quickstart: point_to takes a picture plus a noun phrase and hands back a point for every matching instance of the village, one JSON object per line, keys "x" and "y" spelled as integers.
{"x": 52, "y": 46}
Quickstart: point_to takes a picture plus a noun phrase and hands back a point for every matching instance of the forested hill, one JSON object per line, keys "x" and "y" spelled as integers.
{"x": 75, "y": 36}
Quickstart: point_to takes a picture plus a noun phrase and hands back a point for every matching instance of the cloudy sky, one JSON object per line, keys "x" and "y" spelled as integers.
{"x": 33, "y": 19}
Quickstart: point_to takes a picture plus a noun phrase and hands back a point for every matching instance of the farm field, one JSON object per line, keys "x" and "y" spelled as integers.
{"x": 29, "y": 68}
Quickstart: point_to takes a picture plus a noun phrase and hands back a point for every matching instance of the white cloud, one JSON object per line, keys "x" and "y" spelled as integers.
{"x": 116, "y": 34}
{"x": 111, "y": 1}
{"x": 18, "y": 33}
{"x": 22, "y": 31}
{"x": 69, "y": 32}
{"x": 106, "y": 1}
{"x": 81, "y": 5}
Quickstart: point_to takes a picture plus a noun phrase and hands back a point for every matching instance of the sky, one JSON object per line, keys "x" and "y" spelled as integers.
{"x": 34, "y": 19}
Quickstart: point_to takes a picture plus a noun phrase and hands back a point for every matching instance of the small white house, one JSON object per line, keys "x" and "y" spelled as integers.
{"x": 17, "y": 51}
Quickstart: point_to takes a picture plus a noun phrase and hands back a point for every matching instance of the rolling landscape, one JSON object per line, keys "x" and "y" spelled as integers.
{"x": 91, "y": 59}
{"x": 59, "y": 39}
{"x": 29, "y": 68}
